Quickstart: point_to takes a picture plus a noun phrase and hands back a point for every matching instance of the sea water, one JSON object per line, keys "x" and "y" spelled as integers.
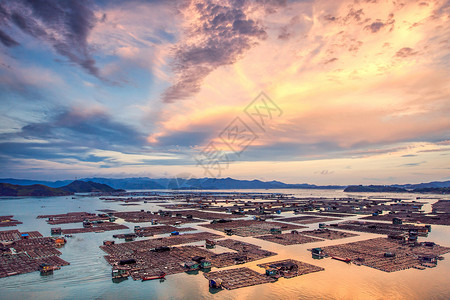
{"x": 89, "y": 276}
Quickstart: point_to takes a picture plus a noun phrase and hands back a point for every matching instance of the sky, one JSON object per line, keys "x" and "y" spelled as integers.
{"x": 323, "y": 92}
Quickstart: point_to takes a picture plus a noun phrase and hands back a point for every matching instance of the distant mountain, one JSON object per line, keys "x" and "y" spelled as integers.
{"x": 374, "y": 189}
{"x": 230, "y": 183}
{"x": 79, "y": 186}
{"x": 13, "y": 190}
{"x": 434, "y": 184}
{"x": 54, "y": 184}
{"x": 137, "y": 183}
{"x": 145, "y": 183}
{"x": 395, "y": 189}
{"x": 433, "y": 190}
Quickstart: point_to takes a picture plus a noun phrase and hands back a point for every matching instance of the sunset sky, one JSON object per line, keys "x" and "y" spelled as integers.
{"x": 357, "y": 92}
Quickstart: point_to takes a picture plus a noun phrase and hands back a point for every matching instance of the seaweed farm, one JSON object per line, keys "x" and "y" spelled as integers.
{"x": 439, "y": 215}
{"x": 99, "y": 227}
{"x": 238, "y": 278}
{"x": 243, "y": 277}
{"x": 307, "y": 219}
{"x": 302, "y": 237}
{"x": 289, "y": 268}
{"x": 219, "y": 245}
{"x": 25, "y": 252}
{"x": 325, "y": 233}
{"x": 8, "y": 221}
{"x": 203, "y": 215}
{"x": 155, "y": 255}
{"x": 246, "y": 228}
{"x": 152, "y": 230}
{"x": 72, "y": 217}
{"x": 160, "y": 217}
{"x": 388, "y": 255}
{"x": 291, "y": 238}
{"x": 380, "y": 228}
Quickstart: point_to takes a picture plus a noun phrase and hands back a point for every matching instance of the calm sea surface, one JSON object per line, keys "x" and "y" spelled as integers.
{"x": 89, "y": 276}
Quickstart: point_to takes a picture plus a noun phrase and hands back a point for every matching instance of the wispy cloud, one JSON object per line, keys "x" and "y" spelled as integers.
{"x": 413, "y": 164}
{"x": 65, "y": 25}
{"x": 217, "y": 34}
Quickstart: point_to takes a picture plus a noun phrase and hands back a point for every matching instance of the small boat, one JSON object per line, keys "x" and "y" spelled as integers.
{"x": 161, "y": 276}
{"x": 347, "y": 260}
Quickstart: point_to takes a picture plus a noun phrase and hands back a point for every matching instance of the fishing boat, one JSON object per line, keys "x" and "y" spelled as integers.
{"x": 160, "y": 276}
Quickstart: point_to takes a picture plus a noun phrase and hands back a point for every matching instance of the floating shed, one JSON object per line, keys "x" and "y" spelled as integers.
{"x": 205, "y": 264}
{"x": 271, "y": 272}
{"x": 47, "y": 269}
{"x": 192, "y": 265}
{"x": 210, "y": 244}
{"x": 215, "y": 283}
{"x": 317, "y": 251}
{"x": 119, "y": 273}
{"x": 397, "y": 221}
{"x": 56, "y": 230}
{"x": 60, "y": 241}
{"x": 161, "y": 249}
{"x": 275, "y": 230}
{"x": 127, "y": 261}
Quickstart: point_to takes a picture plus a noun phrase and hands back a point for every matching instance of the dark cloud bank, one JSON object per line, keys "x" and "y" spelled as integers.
{"x": 71, "y": 133}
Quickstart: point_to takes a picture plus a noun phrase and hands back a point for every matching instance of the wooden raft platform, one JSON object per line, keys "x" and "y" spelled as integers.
{"x": 239, "y": 278}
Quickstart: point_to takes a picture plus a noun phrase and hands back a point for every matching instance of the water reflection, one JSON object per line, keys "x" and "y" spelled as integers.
{"x": 119, "y": 280}
{"x": 214, "y": 290}
{"x": 192, "y": 272}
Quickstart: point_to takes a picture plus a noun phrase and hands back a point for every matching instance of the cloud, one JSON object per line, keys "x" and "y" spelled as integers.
{"x": 219, "y": 33}
{"x": 65, "y": 25}
{"x": 36, "y": 149}
{"x": 185, "y": 138}
{"x": 330, "y": 60}
{"x": 413, "y": 164}
{"x": 7, "y": 40}
{"x": 287, "y": 31}
{"x": 72, "y": 128}
{"x": 405, "y": 52}
{"x": 355, "y": 15}
{"x": 373, "y": 101}
{"x": 329, "y": 18}
{"x": 378, "y": 24}
{"x": 325, "y": 172}
{"x": 135, "y": 37}
{"x": 375, "y": 26}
